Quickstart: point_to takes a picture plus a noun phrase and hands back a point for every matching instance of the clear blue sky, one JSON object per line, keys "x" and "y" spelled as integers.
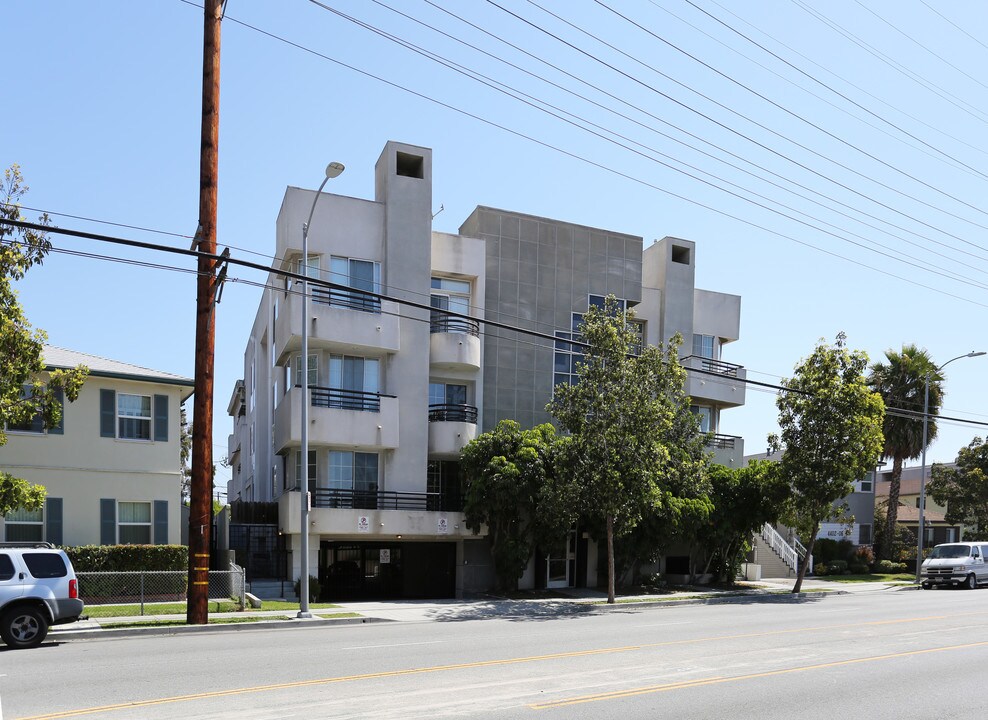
{"x": 103, "y": 114}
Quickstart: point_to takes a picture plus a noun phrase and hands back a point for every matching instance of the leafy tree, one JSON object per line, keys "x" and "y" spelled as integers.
{"x": 901, "y": 383}
{"x": 831, "y": 430}
{"x": 632, "y": 438}
{"x": 185, "y": 454}
{"x": 511, "y": 485}
{"x": 743, "y": 499}
{"x": 963, "y": 490}
{"x": 24, "y": 396}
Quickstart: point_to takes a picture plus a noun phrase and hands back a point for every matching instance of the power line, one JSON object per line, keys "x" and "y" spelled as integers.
{"x": 410, "y": 303}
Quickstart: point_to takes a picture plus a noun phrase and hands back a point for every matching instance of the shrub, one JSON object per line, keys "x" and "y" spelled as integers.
{"x": 314, "y": 588}
{"x": 887, "y": 566}
{"x": 820, "y": 569}
{"x": 864, "y": 555}
{"x": 837, "y": 567}
{"x": 858, "y": 568}
{"x": 128, "y": 558}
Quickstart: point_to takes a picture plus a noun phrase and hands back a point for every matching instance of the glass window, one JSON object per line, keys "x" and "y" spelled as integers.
{"x": 353, "y": 471}
{"x": 33, "y": 424}
{"x": 310, "y": 268}
{"x": 133, "y": 417}
{"x": 354, "y": 383}
{"x": 705, "y": 415}
{"x": 25, "y": 525}
{"x": 359, "y": 275}
{"x": 45, "y": 565}
{"x": 312, "y": 469}
{"x": 703, "y": 346}
{"x": 453, "y": 295}
{"x": 313, "y": 370}
{"x": 134, "y": 523}
{"x": 447, "y": 394}
{"x": 6, "y": 567}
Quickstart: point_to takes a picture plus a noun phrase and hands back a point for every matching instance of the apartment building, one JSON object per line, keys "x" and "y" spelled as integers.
{"x": 398, "y": 388}
{"x": 112, "y": 466}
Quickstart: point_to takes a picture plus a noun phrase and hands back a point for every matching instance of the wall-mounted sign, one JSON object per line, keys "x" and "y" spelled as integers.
{"x": 363, "y": 524}
{"x": 442, "y": 526}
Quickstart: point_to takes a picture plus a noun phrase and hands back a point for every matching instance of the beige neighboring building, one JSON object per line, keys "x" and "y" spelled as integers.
{"x": 112, "y": 466}
{"x": 937, "y": 529}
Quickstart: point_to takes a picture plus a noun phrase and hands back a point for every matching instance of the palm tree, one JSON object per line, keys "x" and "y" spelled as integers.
{"x": 901, "y": 383}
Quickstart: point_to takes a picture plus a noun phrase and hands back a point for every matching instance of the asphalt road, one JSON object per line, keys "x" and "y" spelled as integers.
{"x": 906, "y": 654}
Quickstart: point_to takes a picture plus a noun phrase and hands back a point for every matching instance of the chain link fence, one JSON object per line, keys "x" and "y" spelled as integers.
{"x": 152, "y": 588}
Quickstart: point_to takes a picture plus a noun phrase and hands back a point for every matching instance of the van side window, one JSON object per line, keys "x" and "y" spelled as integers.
{"x": 6, "y": 567}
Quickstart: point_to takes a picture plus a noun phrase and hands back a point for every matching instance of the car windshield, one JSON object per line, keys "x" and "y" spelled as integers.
{"x": 950, "y": 551}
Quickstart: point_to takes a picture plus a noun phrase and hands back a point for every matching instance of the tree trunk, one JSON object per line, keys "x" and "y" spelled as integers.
{"x": 610, "y": 559}
{"x": 809, "y": 554}
{"x": 892, "y": 512}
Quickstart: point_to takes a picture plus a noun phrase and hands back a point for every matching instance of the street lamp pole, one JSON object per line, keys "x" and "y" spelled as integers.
{"x": 922, "y": 474}
{"x": 332, "y": 170}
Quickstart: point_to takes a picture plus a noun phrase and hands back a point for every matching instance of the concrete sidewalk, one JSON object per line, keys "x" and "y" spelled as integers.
{"x": 567, "y": 601}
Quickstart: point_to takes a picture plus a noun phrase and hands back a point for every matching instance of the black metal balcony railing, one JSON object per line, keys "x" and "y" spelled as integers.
{"x": 385, "y": 500}
{"x": 345, "y": 399}
{"x": 453, "y": 413}
{"x": 716, "y": 366}
{"x": 441, "y": 323}
{"x": 722, "y": 442}
{"x": 352, "y": 299}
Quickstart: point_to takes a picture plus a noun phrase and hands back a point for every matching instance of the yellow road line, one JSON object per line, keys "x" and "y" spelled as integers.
{"x": 462, "y": 666}
{"x": 618, "y": 694}
{"x": 325, "y": 681}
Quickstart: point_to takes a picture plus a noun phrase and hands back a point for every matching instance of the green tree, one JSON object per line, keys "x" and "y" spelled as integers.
{"x": 743, "y": 499}
{"x": 963, "y": 489}
{"x": 831, "y": 431}
{"x": 24, "y": 395}
{"x": 901, "y": 382}
{"x": 511, "y": 486}
{"x": 632, "y": 437}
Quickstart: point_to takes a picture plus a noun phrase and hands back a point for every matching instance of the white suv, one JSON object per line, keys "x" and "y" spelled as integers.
{"x": 38, "y": 588}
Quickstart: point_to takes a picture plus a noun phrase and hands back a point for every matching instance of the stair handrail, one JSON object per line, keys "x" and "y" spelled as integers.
{"x": 782, "y": 548}
{"x": 800, "y": 548}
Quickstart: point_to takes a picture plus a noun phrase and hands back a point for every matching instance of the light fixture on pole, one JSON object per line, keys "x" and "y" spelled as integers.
{"x": 922, "y": 472}
{"x": 332, "y": 170}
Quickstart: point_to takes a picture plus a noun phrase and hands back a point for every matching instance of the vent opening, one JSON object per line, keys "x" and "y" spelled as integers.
{"x": 409, "y": 165}
{"x": 680, "y": 255}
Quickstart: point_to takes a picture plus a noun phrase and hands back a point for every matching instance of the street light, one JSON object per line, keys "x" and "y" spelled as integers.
{"x": 332, "y": 170}
{"x": 922, "y": 473}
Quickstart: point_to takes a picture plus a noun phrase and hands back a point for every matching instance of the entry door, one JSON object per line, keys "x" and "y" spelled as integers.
{"x": 558, "y": 563}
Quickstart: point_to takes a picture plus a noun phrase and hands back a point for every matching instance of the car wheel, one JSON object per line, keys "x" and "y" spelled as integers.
{"x": 926, "y": 586}
{"x": 23, "y": 627}
{"x": 972, "y": 582}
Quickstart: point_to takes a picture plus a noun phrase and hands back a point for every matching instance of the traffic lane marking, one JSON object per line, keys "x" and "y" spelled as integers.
{"x": 631, "y": 692}
{"x": 460, "y": 666}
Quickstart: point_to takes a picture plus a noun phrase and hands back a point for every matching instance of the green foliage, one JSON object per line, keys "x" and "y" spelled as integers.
{"x": 901, "y": 381}
{"x": 633, "y": 442}
{"x": 963, "y": 490}
{"x": 825, "y": 550}
{"x": 128, "y": 558}
{"x": 315, "y": 589}
{"x": 836, "y": 567}
{"x": 887, "y": 566}
{"x": 511, "y": 485}
{"x": 743, "y": 499}
{"x": 21, "y": 362}
{"x": 898, "y": 546}
{"x": 831, "y": 429}
{"x": 821, "y": 569}
{"x": 858, "y": 568}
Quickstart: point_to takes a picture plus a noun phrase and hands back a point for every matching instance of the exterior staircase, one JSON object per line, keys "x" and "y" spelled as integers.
{"x": 777, "y": 557}
{"x": 272, "y": 589}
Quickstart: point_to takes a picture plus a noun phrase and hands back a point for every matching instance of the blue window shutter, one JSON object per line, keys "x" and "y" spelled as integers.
{"x": 60, "y": 428}
{"x": 160, "y": 522}
{"x": 53, "y": 520}
{"x": 108, "y": 521}
{"x": 107, "y": 413}
{"x": 161, "y": 418}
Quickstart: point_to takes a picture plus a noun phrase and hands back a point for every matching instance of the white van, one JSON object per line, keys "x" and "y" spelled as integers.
{"x": 960, "y": 563}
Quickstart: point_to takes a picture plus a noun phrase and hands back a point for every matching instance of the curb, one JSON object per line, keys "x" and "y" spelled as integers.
{"x": 272, "y": 624}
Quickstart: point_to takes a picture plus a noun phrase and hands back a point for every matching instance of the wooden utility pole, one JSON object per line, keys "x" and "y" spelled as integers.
{"x": 201, "y": 490}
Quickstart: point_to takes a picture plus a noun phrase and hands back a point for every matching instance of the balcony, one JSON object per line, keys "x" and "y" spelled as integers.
{"x": 454, "y": 343}
{"x": 728, "y": 449}
{"x": 451, "y": 427}
{"x": 344, "y": 321}
{"x": 715, "y": 381}
{"x": 385, "y": 500}
{"x": 338, "y": 417}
